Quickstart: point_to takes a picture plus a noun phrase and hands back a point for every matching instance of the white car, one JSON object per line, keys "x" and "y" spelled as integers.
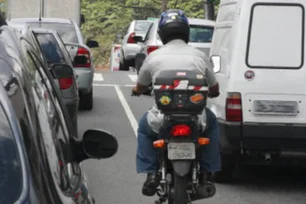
{"x": 129, "y": 47}
{"x": 258, "y": 55}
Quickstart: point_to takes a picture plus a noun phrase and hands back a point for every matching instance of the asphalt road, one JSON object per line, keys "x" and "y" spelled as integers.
{"x": 115, "y": 180}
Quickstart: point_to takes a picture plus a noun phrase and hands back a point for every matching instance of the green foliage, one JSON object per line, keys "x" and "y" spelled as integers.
{"x": 107, "y": 18}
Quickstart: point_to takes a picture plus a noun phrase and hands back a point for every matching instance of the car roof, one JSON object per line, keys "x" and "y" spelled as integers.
{"x": 48, "y": 20}
{"x": 195, "y": 21}
{"x": 199, "y": 21}
{"x": 43, "y": 30}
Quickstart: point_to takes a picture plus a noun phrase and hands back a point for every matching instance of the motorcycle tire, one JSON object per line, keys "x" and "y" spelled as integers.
{"x": 180, "y": 190}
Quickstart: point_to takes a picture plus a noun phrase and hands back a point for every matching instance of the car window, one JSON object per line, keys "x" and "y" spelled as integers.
{"x": 142, "y": 26}
{"x": 10, "y": 165}
{"x": 64, "y": 50}
{"x": 149, "y": 33}
{"x": 274, "y": 40}
{"x": 201, "y": 34}
{"x": 65, "y": 30}
{"x": 50, "y": 48}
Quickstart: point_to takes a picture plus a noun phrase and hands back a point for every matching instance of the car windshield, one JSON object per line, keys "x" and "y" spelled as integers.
{"x": 10, "y": 165}
{"x": 65, "y": 30}
{"x": 201, "y": 34}
{"x": 50, "y": 48}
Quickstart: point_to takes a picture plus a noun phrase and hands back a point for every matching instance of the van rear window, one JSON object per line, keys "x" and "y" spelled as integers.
{"x": 276, "y": 36}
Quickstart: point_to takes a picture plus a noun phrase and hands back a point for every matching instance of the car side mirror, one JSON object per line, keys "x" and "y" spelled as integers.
{"x": 216, "y": 62}
{"x": 99, "y": 144}
{"x": 80, "y": 60}
{"x": 138, "y": 38}
{"x": 92, "y": 44}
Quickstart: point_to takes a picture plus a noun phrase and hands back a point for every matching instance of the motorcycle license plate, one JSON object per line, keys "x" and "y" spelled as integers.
{"x": 181, "y": 151}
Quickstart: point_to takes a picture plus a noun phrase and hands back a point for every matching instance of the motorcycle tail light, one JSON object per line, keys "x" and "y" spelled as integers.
{"x": 159, "y": 143}
{"x": 203, "y": 141}
{"x": 180, "y": 130}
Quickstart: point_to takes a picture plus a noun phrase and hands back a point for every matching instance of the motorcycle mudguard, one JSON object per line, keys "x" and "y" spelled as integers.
{"x": 181, "y": 168}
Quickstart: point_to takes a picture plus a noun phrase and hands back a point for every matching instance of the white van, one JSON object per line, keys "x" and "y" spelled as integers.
{"x": 258, "y": 53}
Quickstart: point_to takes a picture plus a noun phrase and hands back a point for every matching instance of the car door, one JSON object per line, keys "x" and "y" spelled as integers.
{"x": 65, "y": 172}
{"x": 73, "y": 167}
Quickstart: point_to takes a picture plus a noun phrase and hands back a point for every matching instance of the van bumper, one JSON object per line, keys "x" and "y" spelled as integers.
{"x": 252, "y": 140}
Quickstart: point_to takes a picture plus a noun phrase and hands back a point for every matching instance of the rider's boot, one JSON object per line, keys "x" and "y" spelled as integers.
{"x": 151, "y": 184}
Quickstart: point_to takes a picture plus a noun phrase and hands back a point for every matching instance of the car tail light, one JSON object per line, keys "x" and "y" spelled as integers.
{"x": 131, "y": 38}
{"x": 233, "y": 107}
{"x": 151, "y": 49}
{"x": 180, "y": 130}
{"x": 65, "y": 83}
{"x": 83, "y": 52}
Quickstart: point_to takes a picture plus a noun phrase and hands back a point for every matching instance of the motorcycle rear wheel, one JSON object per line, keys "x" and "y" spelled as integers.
{"x": 180, "y": 190}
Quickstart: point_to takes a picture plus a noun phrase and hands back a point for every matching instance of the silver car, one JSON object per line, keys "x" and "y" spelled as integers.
{"x": 74, "y": 41}
{"x": 129, "y": 47}
{"x": 201, "y": 32}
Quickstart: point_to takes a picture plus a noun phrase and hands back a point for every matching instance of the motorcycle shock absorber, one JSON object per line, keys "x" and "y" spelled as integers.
{"x": 194, "y": 173}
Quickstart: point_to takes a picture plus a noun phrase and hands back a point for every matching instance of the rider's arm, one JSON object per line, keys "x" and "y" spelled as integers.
{"x": 211, "y": 79}
{"x": 144, "y": 78}
{"x": 212, "y": 83}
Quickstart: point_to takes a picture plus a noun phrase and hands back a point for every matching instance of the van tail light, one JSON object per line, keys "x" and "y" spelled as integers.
{"x": 65, "y": 83}
{"x": 151, "y": 49}
{"x": 233, "y": 107}
{"x": 180, "y": 130}
{"x": 83, "y": 52}
{"x": 131, "y": 38}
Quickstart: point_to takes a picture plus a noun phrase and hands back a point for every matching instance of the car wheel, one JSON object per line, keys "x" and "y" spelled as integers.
{"x": 120, "y": 66}
{"x": 227, "y": 171}
{"x": 127, "y": 64}
{"x": 86, "y": 101}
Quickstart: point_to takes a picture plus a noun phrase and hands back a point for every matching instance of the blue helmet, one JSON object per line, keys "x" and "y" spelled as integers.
{"x": 173, "y": 24}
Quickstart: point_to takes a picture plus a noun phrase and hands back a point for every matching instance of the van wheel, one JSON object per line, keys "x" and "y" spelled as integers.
{"x": 227, "y": 171}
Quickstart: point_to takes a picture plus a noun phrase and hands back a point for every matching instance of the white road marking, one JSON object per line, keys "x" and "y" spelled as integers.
{"x": 133, "y": 77}
{"x": 127, "y": 109}
{"x": 98, "y": 77}
{"x": 111, "y": 85}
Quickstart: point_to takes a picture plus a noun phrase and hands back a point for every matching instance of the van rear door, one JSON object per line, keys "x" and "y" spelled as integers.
{"x": 272, "y": 75}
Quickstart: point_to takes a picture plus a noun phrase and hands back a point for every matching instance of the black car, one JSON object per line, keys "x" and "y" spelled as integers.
{"x": 39, "y": 155}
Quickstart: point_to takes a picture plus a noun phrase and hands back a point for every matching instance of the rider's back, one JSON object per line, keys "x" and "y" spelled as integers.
{"x": 176, "y": 55}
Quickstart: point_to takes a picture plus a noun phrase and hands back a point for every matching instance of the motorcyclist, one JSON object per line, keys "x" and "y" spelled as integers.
{"x": 176, "y": 54}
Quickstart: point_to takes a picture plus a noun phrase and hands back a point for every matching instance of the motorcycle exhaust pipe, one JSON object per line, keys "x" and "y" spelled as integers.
{"x": 268, "y": 158}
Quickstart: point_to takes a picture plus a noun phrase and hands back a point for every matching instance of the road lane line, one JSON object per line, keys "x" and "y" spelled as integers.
{"x": 111, "y": 85}
{"x": 98, "y": 77}
{"x": 127, "y": 109}
{"x": 133, "y": 77}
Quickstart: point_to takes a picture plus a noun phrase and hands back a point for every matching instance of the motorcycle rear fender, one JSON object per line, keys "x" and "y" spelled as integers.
{"x": 181, "y": 167}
